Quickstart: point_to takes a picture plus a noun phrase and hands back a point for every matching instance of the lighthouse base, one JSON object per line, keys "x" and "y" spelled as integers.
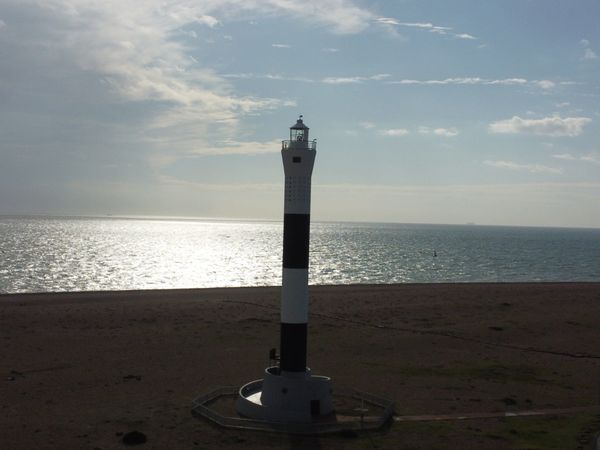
{"x": 289, "y": 397}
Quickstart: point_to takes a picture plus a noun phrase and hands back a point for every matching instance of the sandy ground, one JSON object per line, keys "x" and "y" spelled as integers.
{"x": 80, "y": 370}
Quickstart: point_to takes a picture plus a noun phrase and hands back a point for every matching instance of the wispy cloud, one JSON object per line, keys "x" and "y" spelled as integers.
{"x": 342, "y": 80}
{"x": 367, "y": 125}
{"x": 545, "y": 84}
{"x": 426, "y": 26}
{"x": 330, "y": 50}
{"x": 588, "y": 53}
{"x": 195, "y": 185}
{"x": 593, "y": 157}
{"x": 532, "y": 168}
{"x": 138, "y": 55}
{"x": 548, "y": 126}
{"x": 379, "y": 76}
{"x": 267, "y": 76}
{"x": 233, "y": 147}
{"x": 466, "y": 81}
{"x": 445, "y": 132}
{"x": 394, "y": 132}
{"x": 465, "y": 36}
{"x": 325, "y": 80}
{"x": 281, "y": 45}
{"x": 385, "y": 78}
{"x": 564, "y": 156}
{"x": 355, "y": 79}
{"x": 143, "y": 54}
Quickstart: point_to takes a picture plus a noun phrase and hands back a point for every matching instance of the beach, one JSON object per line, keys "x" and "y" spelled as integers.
{"x": 79, "y": 370}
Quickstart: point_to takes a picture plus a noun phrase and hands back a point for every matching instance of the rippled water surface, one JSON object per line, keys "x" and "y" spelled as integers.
{"x": 75, "y": 254}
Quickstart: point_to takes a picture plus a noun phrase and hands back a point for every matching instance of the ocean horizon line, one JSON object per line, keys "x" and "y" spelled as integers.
{"x": 167, "y": 218}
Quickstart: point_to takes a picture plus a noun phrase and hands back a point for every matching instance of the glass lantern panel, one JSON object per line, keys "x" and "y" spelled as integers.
{"x": 298, "y": 135}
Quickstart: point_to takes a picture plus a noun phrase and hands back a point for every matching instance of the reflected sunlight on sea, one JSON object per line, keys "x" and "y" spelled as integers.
{"x": 79, "y": 254}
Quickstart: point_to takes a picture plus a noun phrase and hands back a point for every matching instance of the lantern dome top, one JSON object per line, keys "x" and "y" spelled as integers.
{"x": 299, "y": 125}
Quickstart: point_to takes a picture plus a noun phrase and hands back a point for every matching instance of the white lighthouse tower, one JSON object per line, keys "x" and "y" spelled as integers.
{"x": 289, "y": 392}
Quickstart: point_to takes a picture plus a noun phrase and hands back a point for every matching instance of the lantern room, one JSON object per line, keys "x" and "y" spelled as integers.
{"x": 299, "y": 131}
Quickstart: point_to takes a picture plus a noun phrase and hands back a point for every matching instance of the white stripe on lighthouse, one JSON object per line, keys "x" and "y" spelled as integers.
{"x": 294, "y": 296}
{"x": 297, "y": 194}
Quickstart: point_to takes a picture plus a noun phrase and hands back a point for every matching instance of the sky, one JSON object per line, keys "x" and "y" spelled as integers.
{"x": 424, "y": 111}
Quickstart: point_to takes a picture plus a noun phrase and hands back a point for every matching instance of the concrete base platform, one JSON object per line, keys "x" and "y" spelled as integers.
{"x": 290, "y": 397}
{"x": 355, "y": 411}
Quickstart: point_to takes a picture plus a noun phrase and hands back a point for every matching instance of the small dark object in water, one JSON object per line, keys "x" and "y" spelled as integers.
{"x": 134, "y": 438}
{"x": 496, "y": 328}
{"x": 509, "y": 401}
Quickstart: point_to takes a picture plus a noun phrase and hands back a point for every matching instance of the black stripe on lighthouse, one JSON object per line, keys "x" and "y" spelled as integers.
{"x": 296, "y": 240}
{"x": 293, "y": 347}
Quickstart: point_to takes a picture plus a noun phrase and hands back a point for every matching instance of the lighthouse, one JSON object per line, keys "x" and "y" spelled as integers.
{"x": 298, "y": 156}
{"x": 289, "y": 392}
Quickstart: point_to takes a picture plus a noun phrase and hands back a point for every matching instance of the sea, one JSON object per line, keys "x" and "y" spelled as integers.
{"x": 58, "y": 254}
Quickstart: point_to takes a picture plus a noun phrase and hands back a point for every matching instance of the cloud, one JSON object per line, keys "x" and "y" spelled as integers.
{"x": 338, "y": 16}
{"x": 545, "y": 84}
{"x": 426, "y": 26}
{"x": 548, "y": 126}
{"x": 233, "y": 147}
{"x": 267, "y": 76}
{"x": 532, "y": 168}
{"x": 330, "y": 50}
{"x": 2, "y": 24}
{"x": 207, "y": 20}
{"x": 445, "y": 132}
{"x": 384, "y": 77}
{"x": 592, "y": 157}
{"x": 565, "y": 156}
{"x": 325, "y": 80}
{"x": 379, "y": 76}
{"x": 137, "y": 61}
{"x": 353, "y": 80}
{"x": 342, "y": 80}
{"x": 395, "y": 132}
{"x": 137, "y": 55}
{"x": 281, "y": 46}
{"x": 588, "y": 53}
{"x": 367, "y": 125}
{"x": 387, "y": 21}
{"x": 465, "y": 81}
